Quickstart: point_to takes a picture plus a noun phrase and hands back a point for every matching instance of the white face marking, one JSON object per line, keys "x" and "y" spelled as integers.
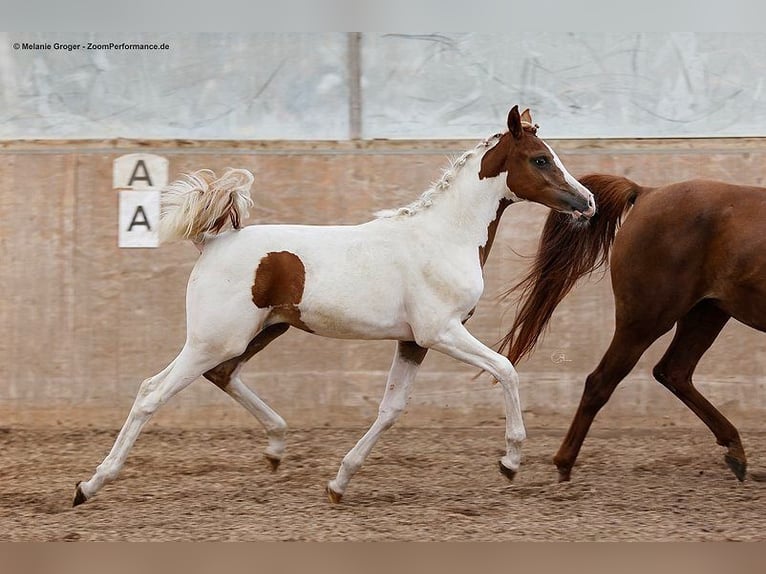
{"x": 573, "y": 183}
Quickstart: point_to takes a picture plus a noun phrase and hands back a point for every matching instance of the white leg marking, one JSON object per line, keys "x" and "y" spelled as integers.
{"x": 394, "y": 401}
{"x": 275, "y": 425}
{"x": 152, "y": 394}
{"x": 458, "y": 343}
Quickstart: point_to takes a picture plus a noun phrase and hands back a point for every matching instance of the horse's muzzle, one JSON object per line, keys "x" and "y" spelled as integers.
{"x": 582, "y": 207}
{"x": 590, "y": 212}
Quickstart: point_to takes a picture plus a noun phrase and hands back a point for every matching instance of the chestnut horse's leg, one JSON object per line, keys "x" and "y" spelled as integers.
{"x": 695, "y": 333}
{"x": 405, "y": 366}
{"x": 226, "y": 377}
{"x": 628, "y": 344}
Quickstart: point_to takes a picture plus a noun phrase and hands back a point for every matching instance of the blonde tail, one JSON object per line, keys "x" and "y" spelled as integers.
{"x": 200, "y": 205}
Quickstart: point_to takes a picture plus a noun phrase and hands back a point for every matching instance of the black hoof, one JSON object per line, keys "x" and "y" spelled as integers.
{"x": 738, "y": 467}
{"x": 79, "y": 497}
{"x": 507, "y": 472}
{"x": 274, "y": 462}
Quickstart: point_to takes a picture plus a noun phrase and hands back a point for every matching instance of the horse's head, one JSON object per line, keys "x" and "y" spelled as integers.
{"x": 533, "y": 170}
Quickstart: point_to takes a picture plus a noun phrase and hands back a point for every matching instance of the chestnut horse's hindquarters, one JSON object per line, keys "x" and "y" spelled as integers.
{"x": 691, "y": 254}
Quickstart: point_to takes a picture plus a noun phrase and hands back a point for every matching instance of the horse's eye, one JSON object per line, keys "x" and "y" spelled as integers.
{"x": 541, "y": 161}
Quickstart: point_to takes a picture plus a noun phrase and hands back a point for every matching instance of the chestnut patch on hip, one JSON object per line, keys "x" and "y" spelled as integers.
{"x": 279, "y": 280}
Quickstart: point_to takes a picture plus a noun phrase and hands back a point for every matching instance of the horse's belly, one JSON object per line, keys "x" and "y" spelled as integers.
{"x": 341, "y": 322}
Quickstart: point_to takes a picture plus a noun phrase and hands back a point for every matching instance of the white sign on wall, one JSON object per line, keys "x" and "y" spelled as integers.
{"x": 139, "y": 177}
{"x": 139, "y": 218}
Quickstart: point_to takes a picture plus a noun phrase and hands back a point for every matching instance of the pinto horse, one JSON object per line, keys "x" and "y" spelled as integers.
{"x": 413, "y": 275}
{"x": 690, "y": 254}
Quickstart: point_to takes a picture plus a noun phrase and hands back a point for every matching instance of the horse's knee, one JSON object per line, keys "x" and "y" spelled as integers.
{"x": 146, "y": 405}
{"x": 147, "y": 386}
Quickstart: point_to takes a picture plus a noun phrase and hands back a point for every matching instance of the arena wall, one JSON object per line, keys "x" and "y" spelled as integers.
{"x": 85, "y": 321}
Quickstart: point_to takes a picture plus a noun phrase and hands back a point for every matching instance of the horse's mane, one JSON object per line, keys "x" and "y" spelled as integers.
{"x": 442, "y": 184}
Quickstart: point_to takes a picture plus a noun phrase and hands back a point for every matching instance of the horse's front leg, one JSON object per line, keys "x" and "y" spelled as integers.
{"x": 407, "y": 360}
{"x": 458, "y": 343}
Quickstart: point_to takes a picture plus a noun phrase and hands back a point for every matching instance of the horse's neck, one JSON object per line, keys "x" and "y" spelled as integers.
{"x": 466, "y": 211}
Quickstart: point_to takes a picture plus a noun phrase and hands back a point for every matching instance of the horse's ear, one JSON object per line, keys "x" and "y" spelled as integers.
{"x": 514, "y": 122}
{"x": 526, "y": 117}
{"x": 493, "y": 162}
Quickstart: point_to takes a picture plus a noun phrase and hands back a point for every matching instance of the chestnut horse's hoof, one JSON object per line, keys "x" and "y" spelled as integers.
{"x": 333, "y": 496}
{"x": 565, "y": 474}
{"x": 738, "y": 467}
{"x": 79, "y": 497}
{"x": 507, "y": 472}
{"x": 273, "y": 461}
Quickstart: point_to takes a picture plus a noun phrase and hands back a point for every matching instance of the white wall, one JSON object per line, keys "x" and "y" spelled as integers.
{"x": 296, "y": 86}
{"x": 577, "y": 85}
{"x": 206, "y": 86}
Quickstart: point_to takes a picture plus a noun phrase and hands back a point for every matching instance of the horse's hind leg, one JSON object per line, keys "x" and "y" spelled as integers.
{"x": 694, "y": 335}
{"x": 627, "y": 346}
{"x": 405, "y": 366}
{"x": 226, "y": 377}
{"x": 153, "y": 393}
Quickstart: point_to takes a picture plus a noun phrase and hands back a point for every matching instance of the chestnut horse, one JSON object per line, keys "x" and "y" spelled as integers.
{"x": 413, "y": 275}
{"x": 690, "y": 254}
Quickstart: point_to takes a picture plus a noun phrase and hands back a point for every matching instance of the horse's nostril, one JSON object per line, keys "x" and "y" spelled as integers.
{"x": 580, "y": 203}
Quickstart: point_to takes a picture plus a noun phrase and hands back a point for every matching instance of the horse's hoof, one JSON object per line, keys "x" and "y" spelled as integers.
{"x": 565, "y": 474}
{"x": 333, "y": 496}
{"x": 79, "y": 497}
{"x": 738, "y": 467}
{"x": 273, "y": 461}
{"x": 507, "y": 472}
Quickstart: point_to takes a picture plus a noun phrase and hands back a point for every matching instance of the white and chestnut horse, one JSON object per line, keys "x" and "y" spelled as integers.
{"x": 413, "y": 275}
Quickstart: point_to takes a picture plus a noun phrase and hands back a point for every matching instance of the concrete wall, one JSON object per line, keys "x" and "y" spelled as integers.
{"x": 438, "y": 85}
{"x": 83, "y": 322}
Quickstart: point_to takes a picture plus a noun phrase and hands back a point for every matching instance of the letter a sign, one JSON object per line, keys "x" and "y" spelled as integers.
{"x": 139, "y": 177}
